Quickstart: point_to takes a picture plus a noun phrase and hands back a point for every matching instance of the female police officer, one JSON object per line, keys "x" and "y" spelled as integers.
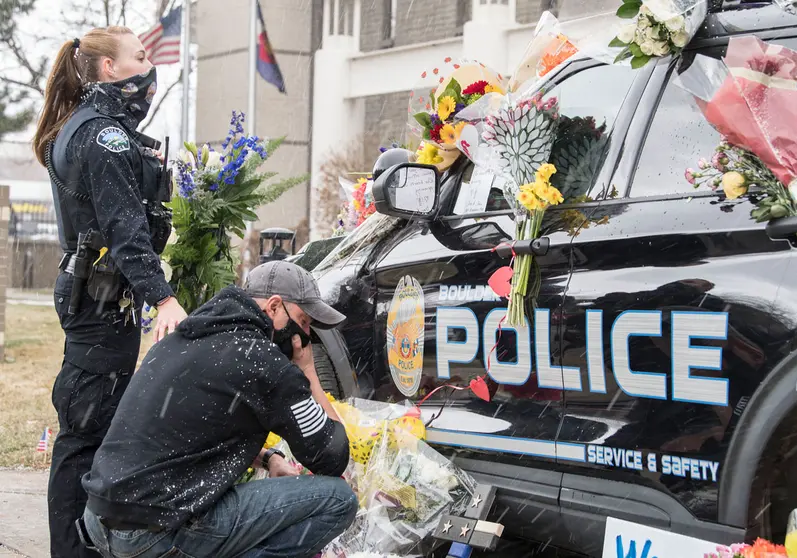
{"x": 108, "y": 185}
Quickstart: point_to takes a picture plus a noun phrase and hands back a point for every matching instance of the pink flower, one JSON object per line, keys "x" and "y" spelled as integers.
{"x": 690, "y": 176}
{"x": 703, "y": 164}
{"x": 719, "y": 160}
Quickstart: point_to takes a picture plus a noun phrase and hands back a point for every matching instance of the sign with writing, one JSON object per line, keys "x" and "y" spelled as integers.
{"x": 473, "y": 196}
{"x": 415, "y": 190}
{"x": 624, "y": 539}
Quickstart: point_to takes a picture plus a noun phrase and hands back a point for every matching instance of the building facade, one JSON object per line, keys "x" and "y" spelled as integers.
{"x": 349, "y": 66}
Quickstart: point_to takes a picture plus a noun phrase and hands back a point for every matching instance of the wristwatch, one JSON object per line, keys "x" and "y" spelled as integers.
{"x": 269, "y": 453}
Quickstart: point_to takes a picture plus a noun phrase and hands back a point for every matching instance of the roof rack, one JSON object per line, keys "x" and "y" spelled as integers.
{"x": 727, "y": 5}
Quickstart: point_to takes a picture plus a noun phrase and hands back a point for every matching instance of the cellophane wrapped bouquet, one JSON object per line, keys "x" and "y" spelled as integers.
{"x": 403, "y": 485}
{"x": 749, "y": 97}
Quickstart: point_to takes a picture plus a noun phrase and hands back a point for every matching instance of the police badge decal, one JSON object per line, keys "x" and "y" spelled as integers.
{"x": 405, "y": 333}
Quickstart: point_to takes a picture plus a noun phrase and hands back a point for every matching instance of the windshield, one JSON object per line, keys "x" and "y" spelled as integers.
{"x": 360, "y": 242}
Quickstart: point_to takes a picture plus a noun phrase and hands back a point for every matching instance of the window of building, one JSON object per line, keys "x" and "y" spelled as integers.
{"x": 678, "y": 138}
{"x": 389, "y": 20}
{"x": 589, "y": 103}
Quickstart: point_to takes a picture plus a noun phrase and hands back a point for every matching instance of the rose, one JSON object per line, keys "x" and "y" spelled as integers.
{"x": 734, "y": 184}
{"x": 643, "y": 22}
{"x": 675, "y": 24}
{"x": 627, "y": 33}
{"x": 661, "y": 48}
{"x": 680, "y": 39}
{"x": 647, "y": 48}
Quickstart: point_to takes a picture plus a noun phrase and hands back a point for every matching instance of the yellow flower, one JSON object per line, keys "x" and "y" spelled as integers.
{"x": 545, "y": 172}
{"x": 548, "y": 193}
{"x": 357, "y": 205}
{"x": 448, "y": 134}
{"x": 493, "y": 89}
{"x": 529, "y": 200}
{"x": 459, "y": 127}
{"x": 445, "y": 107}
{"x": 428, "y": 155}
{"x": 734, "y": 184}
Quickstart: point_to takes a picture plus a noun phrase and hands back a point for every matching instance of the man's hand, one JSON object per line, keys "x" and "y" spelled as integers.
{"x": 303, "y": 356}
{"x": 278, "y": 467}
{"x": 170, "y": 313}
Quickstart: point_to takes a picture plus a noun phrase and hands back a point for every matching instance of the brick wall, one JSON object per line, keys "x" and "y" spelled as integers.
{"x": 529, "y": 11}
{"x": 416, "y": 22}
{"x": 386, "y": 116}
{"x": 5, "y": 216}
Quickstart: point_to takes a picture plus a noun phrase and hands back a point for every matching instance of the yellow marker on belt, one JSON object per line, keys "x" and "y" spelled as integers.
{"x": 103, "y": 251}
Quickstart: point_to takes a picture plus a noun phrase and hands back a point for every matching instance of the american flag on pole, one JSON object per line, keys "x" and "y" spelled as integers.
{"x": 44, "y": 440}
{"x": 162, "y": 42}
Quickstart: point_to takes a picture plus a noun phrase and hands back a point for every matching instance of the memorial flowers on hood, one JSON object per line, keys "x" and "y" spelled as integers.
{"x": 359, "y": 205}
{"x": 661, "y": 28}
{"x": 445, "y": 91}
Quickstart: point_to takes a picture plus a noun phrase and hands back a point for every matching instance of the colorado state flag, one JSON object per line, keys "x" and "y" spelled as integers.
{"x": 267, "y": 65}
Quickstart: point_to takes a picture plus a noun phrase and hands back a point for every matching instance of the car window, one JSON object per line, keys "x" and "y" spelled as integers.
{"x": 679, "y": 136}
{"x": 589, "y": 102}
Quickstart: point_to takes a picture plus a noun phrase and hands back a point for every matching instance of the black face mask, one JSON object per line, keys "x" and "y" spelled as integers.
{"x": 283, "y": 338}
{"x": 137, "y": 93}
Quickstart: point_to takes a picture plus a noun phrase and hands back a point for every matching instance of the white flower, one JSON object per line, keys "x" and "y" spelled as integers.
{"x": 662, "y": 10}
{"x": 661, "y": 48}
{"x": 186, "y": 157}
{"x": 626, "y": 34}
{"x": 647, "y": 47}
{"x": 676, "y": 24}
{"x": 214, "y": 160}
{"x": 680, "y": 39}
{"x": 643, "y": 22}
{"x": 644, "y": 10}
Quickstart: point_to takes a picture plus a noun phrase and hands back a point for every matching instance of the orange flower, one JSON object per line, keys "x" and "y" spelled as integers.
{"x": 557, "y": 53}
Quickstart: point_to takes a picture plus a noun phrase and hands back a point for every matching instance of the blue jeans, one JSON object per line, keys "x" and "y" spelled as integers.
{"x": 287, "y": 517}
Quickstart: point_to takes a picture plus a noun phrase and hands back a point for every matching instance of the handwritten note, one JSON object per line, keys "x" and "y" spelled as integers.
{"x": 624, "y": 539}
{"x": 473, "y": 195}
{"x": 415, "y": 190}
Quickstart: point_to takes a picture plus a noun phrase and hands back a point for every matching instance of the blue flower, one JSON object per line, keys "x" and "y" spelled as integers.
{"x": 185, "y": 180}
{"x": 236, "y": 128}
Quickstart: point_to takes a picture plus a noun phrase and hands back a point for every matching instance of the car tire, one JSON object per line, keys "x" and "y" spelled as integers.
{"x": 326, "y": 371}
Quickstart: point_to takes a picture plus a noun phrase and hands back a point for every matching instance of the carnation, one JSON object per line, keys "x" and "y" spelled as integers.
{"x": 475, "y": 88}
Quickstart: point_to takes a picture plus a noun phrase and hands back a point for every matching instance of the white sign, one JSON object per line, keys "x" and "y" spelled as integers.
{"x": 473, "y": 196}
{"x": 415, "y": 190}
{"x": 624, "y": 539}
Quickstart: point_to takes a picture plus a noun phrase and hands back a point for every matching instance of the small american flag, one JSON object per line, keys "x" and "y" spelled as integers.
{"x": 162, "y": 42}
{"x": 44, "y": 440}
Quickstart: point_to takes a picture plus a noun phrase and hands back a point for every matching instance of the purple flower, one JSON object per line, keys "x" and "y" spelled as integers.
{"x": 459, "y": 107}
{"x": 185, "y": 180}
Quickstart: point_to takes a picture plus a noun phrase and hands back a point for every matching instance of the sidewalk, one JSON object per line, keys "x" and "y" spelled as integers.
{"x": 29, "y": 297}
{"x": 23, "y": 514}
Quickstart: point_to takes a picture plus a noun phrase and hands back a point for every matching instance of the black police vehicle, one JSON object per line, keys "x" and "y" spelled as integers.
{"x": 657, "y": 381}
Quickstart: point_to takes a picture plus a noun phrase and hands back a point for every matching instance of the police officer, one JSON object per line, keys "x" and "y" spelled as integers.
{"x": 108, "y": 186}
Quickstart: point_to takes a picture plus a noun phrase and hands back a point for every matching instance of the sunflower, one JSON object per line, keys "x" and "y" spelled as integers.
{"x": 445, "y": 107}
{"x": 448, "y": 134}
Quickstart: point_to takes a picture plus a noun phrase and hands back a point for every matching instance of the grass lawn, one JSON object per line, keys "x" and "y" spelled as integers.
{"x": 34, "y": 350}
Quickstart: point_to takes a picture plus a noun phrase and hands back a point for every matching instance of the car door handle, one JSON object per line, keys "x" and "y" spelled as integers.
{"x": 782, "y": 228}
{"x": 537, "y": 247}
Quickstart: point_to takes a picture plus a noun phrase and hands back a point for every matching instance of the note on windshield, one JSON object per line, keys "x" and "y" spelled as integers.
{"x": 473, "y": 195}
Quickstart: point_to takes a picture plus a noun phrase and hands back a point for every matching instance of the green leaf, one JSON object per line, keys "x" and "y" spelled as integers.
{"x": 639, "y": 61}
{"x": 626, "y": 53}
{"x": 635, "y": 50}
{"x": 424, "y": 119}
{"x": 629, "y": 10}
{"x": 454, "y": 86}
{"x": 616, "y": 42}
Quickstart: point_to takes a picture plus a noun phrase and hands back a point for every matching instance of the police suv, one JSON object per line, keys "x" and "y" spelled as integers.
{"x": 656, "y": 381}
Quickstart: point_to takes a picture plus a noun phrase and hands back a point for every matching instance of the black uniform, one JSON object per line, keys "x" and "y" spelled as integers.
{"x": 197, "y": 413}
{"x": 103, "y": 179}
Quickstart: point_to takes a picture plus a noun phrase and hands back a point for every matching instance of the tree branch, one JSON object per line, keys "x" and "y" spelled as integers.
{"x": 157, "y": 107}
{"x": 10, "y": 81}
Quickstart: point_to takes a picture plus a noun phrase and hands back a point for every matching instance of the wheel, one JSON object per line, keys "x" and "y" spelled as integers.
{"x": 774, "y": 493}
{"x": 326, "y": 372}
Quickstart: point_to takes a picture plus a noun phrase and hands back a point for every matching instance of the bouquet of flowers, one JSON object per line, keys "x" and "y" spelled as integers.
{"x": 661, "y": 28}
{"x": 358, "y": 206}
{"x": 759, "y": 549}
{"x": 218, "y": 191}
{"x": 404, "y": 487}
{"x": 749, "y": 98}
{"x": 435, "y": 103}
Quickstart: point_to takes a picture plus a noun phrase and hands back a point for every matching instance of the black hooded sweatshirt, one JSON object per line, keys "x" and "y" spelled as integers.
{"x": 197, "y": 413}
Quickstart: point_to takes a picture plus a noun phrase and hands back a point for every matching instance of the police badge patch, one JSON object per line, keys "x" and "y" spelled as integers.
{"x": 405, "y": 335}
{"x": 113, "y": 139}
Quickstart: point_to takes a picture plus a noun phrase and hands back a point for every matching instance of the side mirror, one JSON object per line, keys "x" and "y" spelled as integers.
{"x": 408, "y": 190}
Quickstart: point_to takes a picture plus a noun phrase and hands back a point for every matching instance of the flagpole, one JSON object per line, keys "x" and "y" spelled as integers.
{"x": 251, "y": 116}
{"x": 184, "y": 128}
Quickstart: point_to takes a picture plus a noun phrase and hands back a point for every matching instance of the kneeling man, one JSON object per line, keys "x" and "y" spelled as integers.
{"x": 195, "y": 417}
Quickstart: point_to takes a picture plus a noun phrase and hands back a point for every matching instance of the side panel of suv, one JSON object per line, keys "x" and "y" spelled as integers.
{"x": 655, "y": 381}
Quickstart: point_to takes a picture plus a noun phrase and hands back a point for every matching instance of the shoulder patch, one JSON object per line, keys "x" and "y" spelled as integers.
{"x": 113, "y": 139}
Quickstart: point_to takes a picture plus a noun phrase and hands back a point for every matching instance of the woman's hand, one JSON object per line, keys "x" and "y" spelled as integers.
{"x": 170, "y": 313}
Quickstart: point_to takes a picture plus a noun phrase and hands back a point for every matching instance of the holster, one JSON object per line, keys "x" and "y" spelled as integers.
{"x": 159, "y": 218}
{"x": 105, "y": 280}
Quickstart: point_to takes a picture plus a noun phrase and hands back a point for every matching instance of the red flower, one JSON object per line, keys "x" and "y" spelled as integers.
{"x": 434, "y": 134}
{"x": 475, "y": 88}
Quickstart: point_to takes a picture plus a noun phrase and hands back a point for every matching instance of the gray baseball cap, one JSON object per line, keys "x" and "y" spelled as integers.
{"x": 294, "y": 284}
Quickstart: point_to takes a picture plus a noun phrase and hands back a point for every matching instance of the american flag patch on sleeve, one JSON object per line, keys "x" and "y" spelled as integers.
{"x": 309, "y": 416}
